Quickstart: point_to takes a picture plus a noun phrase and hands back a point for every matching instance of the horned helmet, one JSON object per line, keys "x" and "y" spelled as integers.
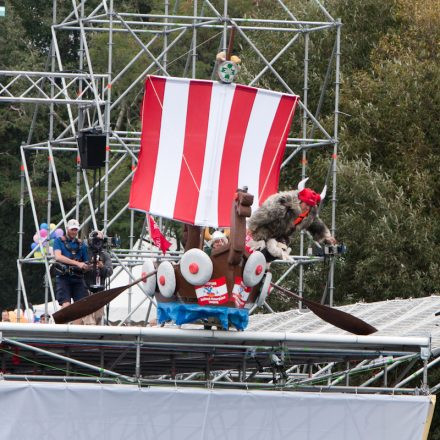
{"x": 309, "y": 196}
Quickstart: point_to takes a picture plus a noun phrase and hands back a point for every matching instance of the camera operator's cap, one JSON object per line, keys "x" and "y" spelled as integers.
{"x": 72, "y": 224}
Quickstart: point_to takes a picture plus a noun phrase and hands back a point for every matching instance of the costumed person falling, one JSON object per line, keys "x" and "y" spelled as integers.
{"x": 275, "y": 221}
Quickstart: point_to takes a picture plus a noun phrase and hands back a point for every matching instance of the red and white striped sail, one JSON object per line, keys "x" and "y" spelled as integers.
{"x": 201, "y": 140}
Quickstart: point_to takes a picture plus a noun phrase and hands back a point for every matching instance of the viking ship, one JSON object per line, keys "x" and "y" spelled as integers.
{"x": 210, "y": 153}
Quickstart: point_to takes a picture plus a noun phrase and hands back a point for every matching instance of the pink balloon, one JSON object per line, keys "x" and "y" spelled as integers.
{"x": 43, "y": 233}
{"x": 35, "y": 238}
{"x": 59, "y": 232}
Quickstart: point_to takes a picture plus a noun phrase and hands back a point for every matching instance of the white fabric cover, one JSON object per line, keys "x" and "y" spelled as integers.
{"x": 65, "y": 411}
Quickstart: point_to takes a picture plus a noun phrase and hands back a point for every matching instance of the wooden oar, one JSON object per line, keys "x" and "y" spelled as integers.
{"x": 336, "y": 317}
{"x": 92, "y": 303}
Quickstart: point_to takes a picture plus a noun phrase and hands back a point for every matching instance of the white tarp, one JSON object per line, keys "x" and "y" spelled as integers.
{"x": 94, "y": 411}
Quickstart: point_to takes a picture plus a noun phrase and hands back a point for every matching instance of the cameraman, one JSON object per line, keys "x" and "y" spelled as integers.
{"x": 100, "y": 268}
{"x": 71, "y": 253}
{"x": 100, "y": 262}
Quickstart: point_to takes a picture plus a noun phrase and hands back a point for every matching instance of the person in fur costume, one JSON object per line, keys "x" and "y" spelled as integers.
{"x": 274, "y": 222}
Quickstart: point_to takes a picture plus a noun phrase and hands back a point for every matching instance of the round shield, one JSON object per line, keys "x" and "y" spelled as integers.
{"x": 254, "y": 269}
{"x": 227, "y": 71}
{"x": 196, "y": 267}
{"x": 166, "y": 279}
{"x": 149, "y": 285}
{"x": 264, "y": 289}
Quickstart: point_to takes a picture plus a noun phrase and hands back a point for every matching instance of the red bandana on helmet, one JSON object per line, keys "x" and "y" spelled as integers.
{"x": 309, "y": 197}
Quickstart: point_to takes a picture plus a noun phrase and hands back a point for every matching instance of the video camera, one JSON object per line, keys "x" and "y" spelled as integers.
{"x": 328, "y": 250}
{"x": 337, "y": 249}
{"x": 97, "y": 241}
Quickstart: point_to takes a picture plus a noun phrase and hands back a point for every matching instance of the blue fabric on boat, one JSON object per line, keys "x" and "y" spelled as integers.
{"x": 185, "y": 313}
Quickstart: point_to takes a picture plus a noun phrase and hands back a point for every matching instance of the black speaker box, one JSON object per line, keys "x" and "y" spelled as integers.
{"x": 91, "y": 145}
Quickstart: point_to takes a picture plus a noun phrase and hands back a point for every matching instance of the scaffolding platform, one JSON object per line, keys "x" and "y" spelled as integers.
{"x": 154, "y": 355}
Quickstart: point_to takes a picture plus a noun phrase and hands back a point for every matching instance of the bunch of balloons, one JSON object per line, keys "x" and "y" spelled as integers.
{"x": 48, "y": 233}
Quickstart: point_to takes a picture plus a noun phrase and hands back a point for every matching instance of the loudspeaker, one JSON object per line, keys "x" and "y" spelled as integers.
{"x": 91, "y": 145}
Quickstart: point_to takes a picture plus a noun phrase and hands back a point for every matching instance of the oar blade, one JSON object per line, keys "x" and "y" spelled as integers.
{"x": 92, "y": 303}
{"x": 336, "y": 317}
{"x": 340, "y": 319}
{"x": 87, "y": 305}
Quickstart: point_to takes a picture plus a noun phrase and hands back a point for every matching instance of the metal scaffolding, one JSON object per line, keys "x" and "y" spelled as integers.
{"x": 84, "y": 98}
{"x": 289, "y": 351}
{"x": 185, "y": 357}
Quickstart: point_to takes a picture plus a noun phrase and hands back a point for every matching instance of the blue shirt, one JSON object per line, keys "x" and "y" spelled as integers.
{"x": 80, "y": 249}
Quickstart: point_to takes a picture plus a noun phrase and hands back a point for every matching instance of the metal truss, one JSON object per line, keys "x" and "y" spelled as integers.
{"x": 264, "y": 360}
{"x": 35, "y": 87}
{"x": 85, "y": 98}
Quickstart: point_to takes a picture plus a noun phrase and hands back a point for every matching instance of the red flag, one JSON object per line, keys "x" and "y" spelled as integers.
{"x": 158, "y": 238}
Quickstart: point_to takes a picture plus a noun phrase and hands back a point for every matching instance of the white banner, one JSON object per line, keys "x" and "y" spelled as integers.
{"x": 92, "y": 411}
